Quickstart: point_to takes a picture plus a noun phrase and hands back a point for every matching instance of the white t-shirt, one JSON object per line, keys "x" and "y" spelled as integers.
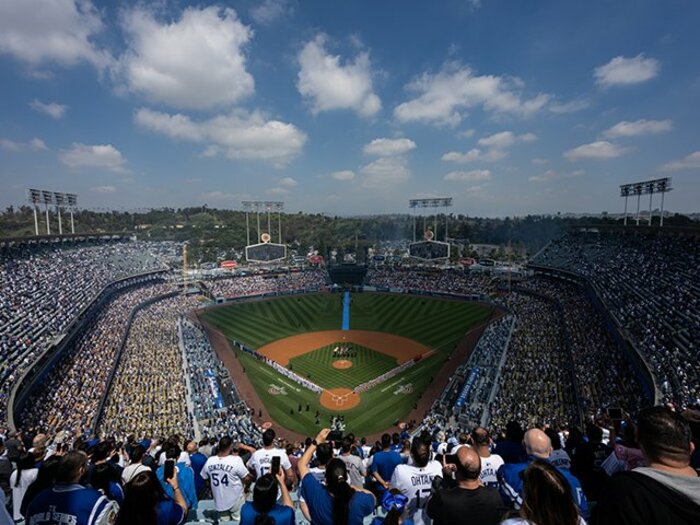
{"x": 184, "y": 458}
{"x": 489, "y": 467}
{"x": 27, "y": 478}
{"x": 132, "y": 471}
{"x": 415, "y": 483}
{"x": 261, "y": 461}
{"x": 226, "y": 475}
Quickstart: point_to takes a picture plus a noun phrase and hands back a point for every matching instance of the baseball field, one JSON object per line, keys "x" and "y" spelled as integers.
{"x": 410, "y": 338}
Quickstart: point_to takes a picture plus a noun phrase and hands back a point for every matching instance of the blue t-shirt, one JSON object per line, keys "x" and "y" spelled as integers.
{"x": 169, "y": 513}
{"x": 320, "y": 503}
{"x": 281, "y": 514}
{"x": 185, "y": 479}
{"x": 198, "y": 460}
{"x": 385, "y": 463}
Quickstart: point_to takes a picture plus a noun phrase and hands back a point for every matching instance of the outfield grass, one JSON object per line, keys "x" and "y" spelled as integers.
{"x": 318, "y": 366}
{"x": 439, "y": 324}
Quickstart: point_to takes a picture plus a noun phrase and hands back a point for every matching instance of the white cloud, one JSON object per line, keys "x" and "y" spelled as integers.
{"x": 42, "y": 31}
{"x": 443, "y": 97}
{"x": 474, "y": 155}
{"x": 601, "y": 149}
{"x": 505, "y": 139}
{"x": 328, "y": 84}
{"x": 239, "y": 135}
{"x": 52, "y": 109}
{"x": 196, "y": 62}
{"x": 468, "y": 176}
{"x": 385, "y": 147}
{"x": 11, "y": 145}
{"x": 269, "y": 11}
{"x": 35, "y": 144}
{"x": 343, "y": 175}
{"x": 277, "y": 191}
{"x": 550, "y": 175}
{"x": 540, "y": 161}
{"x": 103, "y": 189}
{"x": 100, "y": 156}
{"x": 466, "y": 134}
{"x": 289, "y": 182}
{"x": 497, "y": 144}
{"x": 569, "y": 107}
{"x": 385, "y": 172}
{"x": 638, "y": 127}
{"x": 691, "y": 162}
{"x": 621, "y": 71}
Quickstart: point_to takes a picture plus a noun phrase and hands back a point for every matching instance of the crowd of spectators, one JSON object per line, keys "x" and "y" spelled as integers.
{"x": 604, "y": 376}
{"x": 278, "y": 282}
{"x": 447, "y": 281}
{"x": 535, "y": 383}
{"x": 44, "y": 286}
{"x": 145, "y": 399}
{"x": 521, "y": 478}
{"x": 230, "y": 416}
{"x": 650, "y": 283}
{"x": 71, "y": 392}
{"x": 464, "y": 403}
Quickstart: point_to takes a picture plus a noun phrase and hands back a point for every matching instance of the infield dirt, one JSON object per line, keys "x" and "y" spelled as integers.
{"x": 396, "y": 346}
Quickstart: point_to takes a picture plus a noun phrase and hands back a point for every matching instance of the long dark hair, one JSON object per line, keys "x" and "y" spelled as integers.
{"x": 264, "y": 499}
{"x": 337, "y": 483}
{"x": 141, "y": 496}
{"x": 547, "y": 496}
{"x": 25, "y": 462}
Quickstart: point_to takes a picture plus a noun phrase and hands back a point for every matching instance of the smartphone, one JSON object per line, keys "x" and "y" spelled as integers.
{"x": 451, "y": 459}
{"x": 275, "y": 465}
{"x": 615, "y": 413}
{"x": 169, "y": 469}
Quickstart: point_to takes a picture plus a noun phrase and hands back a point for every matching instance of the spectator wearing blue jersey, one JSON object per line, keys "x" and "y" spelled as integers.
{"x": 197, "y": 460}
{"x": 383, "y": 465}
{"x": 185, "y": 478}
{"x": 547, "y": 497}
{"x": 336, "y": 503}
{"x": 68, "y": 501}
{"x": 511, "y": 448}
{"x": 510, "y": 477}
{"x": 145, "y": 502}
{"x": 264, "y": 509}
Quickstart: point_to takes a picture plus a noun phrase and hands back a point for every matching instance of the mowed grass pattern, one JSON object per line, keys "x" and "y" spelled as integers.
{"x": 318, "y": 366}
{"x": 437, "y": 323}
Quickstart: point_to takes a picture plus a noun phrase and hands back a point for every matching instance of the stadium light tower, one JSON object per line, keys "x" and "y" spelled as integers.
{"x": 441, "y": 202}
{"x": 265, "y": 206}
{"x": 72, "y": 199}
{"x": 47, "y": 199}
{"x": 59, "y": 200}
{"x": 649, "y": 187}
{"x": 34, "y": 198}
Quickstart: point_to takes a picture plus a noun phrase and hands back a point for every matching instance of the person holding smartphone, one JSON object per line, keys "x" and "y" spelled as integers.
{"x": 264, "y": 509}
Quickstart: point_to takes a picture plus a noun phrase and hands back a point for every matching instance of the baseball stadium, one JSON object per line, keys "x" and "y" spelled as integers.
{"x": 273, "y": 262}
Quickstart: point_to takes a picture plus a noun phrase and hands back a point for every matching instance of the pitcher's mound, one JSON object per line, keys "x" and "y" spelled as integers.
{"x": 338, "y": 399}
{"x": 342, "y": 364}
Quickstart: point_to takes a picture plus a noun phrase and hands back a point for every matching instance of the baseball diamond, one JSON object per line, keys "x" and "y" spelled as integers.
{"x": 394, "y": 348}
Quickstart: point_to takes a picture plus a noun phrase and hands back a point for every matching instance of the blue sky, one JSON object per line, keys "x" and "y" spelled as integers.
{"x": 510, "y": 107}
